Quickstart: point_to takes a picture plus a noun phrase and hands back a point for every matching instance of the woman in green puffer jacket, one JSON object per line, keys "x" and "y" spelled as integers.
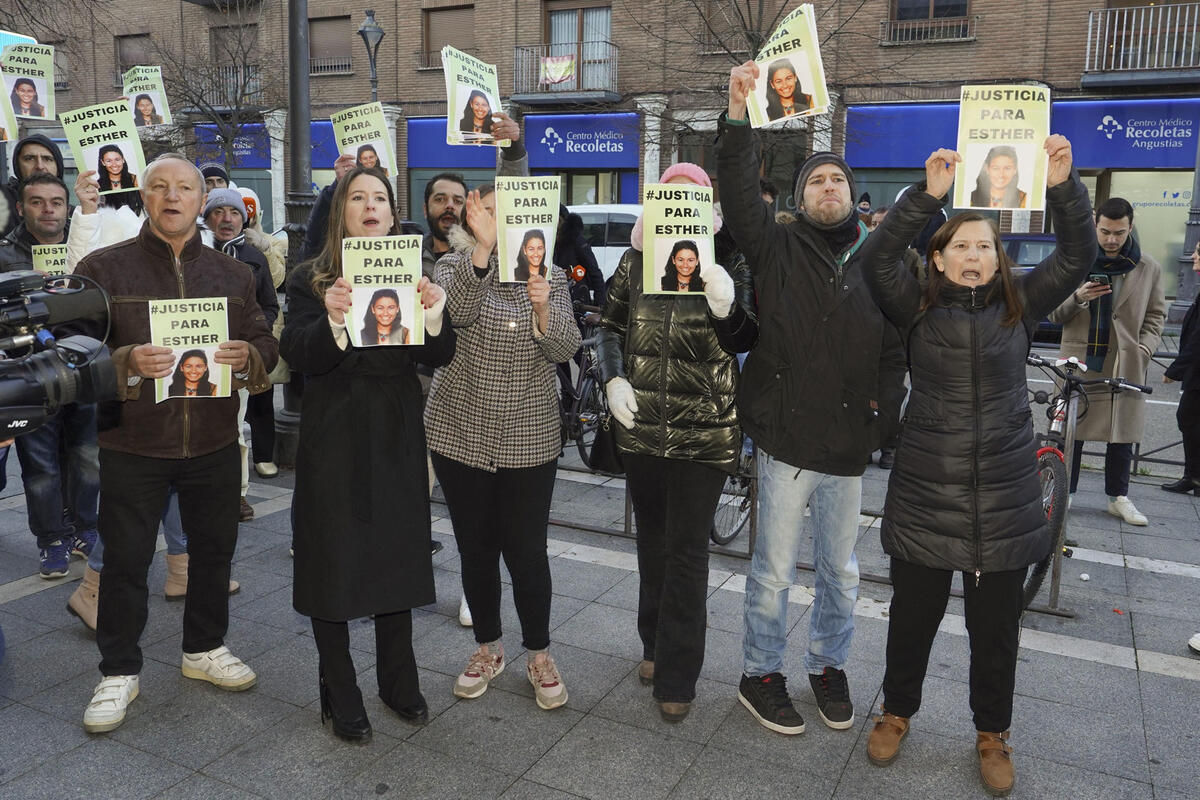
{"x": 670, "y": 371}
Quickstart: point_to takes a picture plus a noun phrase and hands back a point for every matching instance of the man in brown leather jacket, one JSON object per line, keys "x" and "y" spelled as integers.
{"x": 188, "y": 443}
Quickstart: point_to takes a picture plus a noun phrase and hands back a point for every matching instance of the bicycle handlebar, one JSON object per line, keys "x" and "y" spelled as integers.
{"x": 1115, "y": 383}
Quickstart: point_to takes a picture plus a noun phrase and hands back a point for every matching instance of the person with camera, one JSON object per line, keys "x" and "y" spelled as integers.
{"x": 189, "y": 444}
{"x": 1113, "y": 322}
{"x": 63, "y": 451}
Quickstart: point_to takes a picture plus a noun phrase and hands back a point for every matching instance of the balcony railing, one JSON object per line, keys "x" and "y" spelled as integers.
{"x": 62, "y": 80}
{"x": 927, "y": 31}
{"x": 567, "y": 67}
{"x": 330, "y": 65}
{"x": 230, "y": 86}
{"x": 432, "y": 59}
{"x": 1143, "y": 38}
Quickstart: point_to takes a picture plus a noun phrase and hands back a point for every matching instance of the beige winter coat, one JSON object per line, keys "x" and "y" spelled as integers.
{"x": 1139, "y": 311}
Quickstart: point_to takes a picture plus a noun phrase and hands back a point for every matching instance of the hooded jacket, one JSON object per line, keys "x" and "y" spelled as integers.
{"x": 8, "y": 192}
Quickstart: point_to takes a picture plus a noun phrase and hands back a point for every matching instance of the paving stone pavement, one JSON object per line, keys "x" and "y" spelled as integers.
{"x": 1105, "y": 702}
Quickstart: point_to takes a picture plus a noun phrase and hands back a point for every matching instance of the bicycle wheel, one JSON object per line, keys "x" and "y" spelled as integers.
{"x": 1055, "y": 490}
{"x": 737, "y": 500}
{"x": 586, "y": 414}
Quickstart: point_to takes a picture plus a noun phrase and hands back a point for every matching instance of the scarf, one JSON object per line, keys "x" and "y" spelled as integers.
{"x": 230, "y": 248}
{"x": 1101, "y": 309}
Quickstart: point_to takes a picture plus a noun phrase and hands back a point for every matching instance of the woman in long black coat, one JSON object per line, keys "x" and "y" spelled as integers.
{"x": 360, "y": 512}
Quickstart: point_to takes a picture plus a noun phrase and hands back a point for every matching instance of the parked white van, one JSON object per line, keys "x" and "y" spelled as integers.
{"x": 606, "y": 228}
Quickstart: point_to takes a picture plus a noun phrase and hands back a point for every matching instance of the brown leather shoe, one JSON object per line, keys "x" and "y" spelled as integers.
{"x": 995, "y": 763}
{"x": 646, "y": 673}
{"x": 674, "y": 712}
{"x": 884, "y": 743}
{"x": 245, "y": 512}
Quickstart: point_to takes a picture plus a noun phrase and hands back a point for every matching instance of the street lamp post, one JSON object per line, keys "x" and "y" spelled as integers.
{"x": 372, "y": 35}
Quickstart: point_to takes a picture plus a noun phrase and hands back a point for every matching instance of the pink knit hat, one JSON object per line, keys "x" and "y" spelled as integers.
{"x": 690, "y": 171}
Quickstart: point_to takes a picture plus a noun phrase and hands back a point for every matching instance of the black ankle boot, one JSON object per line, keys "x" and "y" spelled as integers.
{"x": 350, "y": 722}
{"x": 1183, "y": 486}
{"x": 417, "y": 713}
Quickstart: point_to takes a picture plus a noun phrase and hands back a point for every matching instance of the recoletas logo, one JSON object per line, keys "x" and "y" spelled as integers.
{"x": 551, "y": 139}
{"x": 1109, "y": 126}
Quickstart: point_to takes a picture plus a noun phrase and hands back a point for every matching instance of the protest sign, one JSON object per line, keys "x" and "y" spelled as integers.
{"x": 50, "y": 258}
{"x": 28, "y": 72}
{"x": 104, "y": 138}
{"x": 472, "y": 97}
{"x": 791, "y": 80}
{"x": 8, "y": 123}
{"x": 143, "y": 87}
{"x": 383, "y": 272}
{"x": 1001, "y": 133}
{"x": 526, "y": 224}
{"x": 192, "y": 328}
{"x": 363, "y": 133}
{"x": 677, "y": 237}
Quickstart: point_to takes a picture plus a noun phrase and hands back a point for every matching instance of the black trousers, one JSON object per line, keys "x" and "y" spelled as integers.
{"x": 260, "y": 413}
{"x": 395, "y": 665}
{"x": 993, "y": 616}
{"x": 674, "y": 502}
{"x": 133, "y": 494}
{"x": 1118, "y": 459}
{"x": 1188, "y": 418}
{"x": 502, "y": 513}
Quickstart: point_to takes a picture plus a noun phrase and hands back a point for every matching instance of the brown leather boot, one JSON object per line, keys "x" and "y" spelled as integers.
{"x": 995, "y": 763}
{"x": 884, "y": 743}
{"x": 646, "y": 673}
{"x": 177, "y": 576}
{"x": 674, "y": 712}
{"x": 84, "y": 602}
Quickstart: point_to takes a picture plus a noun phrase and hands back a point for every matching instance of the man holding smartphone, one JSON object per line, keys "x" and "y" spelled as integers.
{"x": 1114, "y": 322}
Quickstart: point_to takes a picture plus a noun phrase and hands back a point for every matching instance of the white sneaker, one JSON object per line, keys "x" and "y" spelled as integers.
{"x": 1124, "y": 508}
{"x": 464, "y": 613}
{"x": 1194, "y": 644}
{"x": 111, "y": 697}
{"x": 219, "y": 667}
{"x": 266, "y": 469}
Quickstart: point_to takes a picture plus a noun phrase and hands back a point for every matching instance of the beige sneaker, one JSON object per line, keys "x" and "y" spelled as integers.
{"x": 110, "y": 698}
{"x": 220, "y": 668}
{"x": 1124, "y": 508}
{"x": 548, "y": 686}
{"x": 485, "y": 664}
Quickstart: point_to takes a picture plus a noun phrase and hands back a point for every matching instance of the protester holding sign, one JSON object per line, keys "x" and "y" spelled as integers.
{"x": 964, "y": 493}
{"x": 497, "y": 467}
{"x": 145, "y": 86}
{"x": 472, "y": 99}
{"x": 668, "y": 362}
{"x": 383, "y": 273}
{"x": 795, "y": 76}
{"x": 105, "y": 135}
{"x": 28, "y": 75}
{"x": 360, "y": 511}
{"x": 999, "y": 131}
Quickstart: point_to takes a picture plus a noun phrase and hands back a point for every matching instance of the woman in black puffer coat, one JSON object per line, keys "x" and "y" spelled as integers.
{"x": 964, "y": 493}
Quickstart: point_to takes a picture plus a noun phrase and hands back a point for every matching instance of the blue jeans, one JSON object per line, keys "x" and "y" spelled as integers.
{"x": 783, "y": 493}
{"x": 172, "y": 529}
{"x": 70, "y": 480}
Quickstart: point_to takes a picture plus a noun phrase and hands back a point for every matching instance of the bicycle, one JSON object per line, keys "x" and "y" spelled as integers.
{"x": 739, "y": 497}
{"x": 584, "y": 405}
{"x": 1058, "y": 440}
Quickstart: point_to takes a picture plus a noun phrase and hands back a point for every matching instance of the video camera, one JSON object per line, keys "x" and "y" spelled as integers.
{"x": 39, "y": 373}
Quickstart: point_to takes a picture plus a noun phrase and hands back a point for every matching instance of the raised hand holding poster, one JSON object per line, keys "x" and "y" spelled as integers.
{"x": 526, "y": 225}
{"x": 383, "y": 272}
{"x": 677, "y": 237}
{"x": 143, "y": 87}
{"x": 791, "y": 79}
{"x": 28, "y": 71}
{"x": 104, "y": 138}
{"x": 1001, "y": 130}
{"x": 472, "y": 97}
{"x": 192, "y": 328}
{"x": 363, "y": 133}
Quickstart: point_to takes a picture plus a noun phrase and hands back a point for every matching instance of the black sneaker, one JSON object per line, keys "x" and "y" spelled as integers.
{"x": 833, "y": 698}
{"x": 767, "y": 699}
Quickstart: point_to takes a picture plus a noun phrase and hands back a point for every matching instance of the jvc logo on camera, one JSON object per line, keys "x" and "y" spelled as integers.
{"x": 18, "y": 423}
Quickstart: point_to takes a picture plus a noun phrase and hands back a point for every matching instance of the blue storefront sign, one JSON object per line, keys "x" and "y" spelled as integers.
{"x": 251, "y": 147}
{"x": 582, "y": 141}
{"x": 427, "y": 148}
{"x": 1157, "y": 133}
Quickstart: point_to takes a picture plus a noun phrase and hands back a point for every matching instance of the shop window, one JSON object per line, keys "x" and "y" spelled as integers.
{"x": 132, "y": 51}
{"x": 579, "y": 53}
{"x": 1160, "y": 201}
{"x": 329, "y": 46}
{"x": 446, "y": 26}
{"x": 918, "y": 21}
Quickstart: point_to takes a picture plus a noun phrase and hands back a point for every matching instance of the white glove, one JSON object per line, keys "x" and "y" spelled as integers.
{"x": 433, "y": 317}
{"x": 718, "y": 291}
{"x": 621, "y": 403}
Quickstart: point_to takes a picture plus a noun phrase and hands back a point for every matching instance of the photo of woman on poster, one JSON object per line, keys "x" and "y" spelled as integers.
{"x": 24, "y": 97}
{"x": 191, "y": 376}
{"x": 381, "y": 322}
{"x": 531, "y": 258}
{"x": 144, "y": 112}
{"x": 477, "y": 114}
{"x": 368, "y": 158}
{"x": 783, "y": 99}
{"x": 996, "y": 186}
{"x": 113, "y": 169}
{"x": 682, "y": 272}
